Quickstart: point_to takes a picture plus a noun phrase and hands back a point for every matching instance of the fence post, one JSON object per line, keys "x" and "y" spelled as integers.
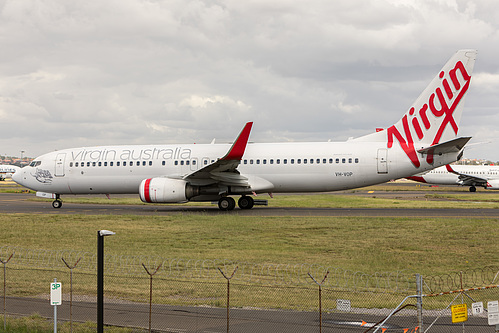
{"x": 320, "y": 297}
{"x": 228, "y": 292}
{"x": 419, "y": 288}
{"x": 150, "y": 291}
{"x": 71, "y": 291}
{"x": 5, "y": 290}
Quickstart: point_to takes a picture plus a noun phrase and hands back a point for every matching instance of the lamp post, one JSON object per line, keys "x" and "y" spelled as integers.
{"x": 100, "y": 278}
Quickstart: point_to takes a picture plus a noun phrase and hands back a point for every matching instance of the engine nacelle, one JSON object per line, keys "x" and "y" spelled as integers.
{"x": 165, "y": 190}
{"x": 493, "y": 184}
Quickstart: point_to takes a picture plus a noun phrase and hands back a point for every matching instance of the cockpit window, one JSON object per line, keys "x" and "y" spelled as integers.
{"x": 35, "y": 163}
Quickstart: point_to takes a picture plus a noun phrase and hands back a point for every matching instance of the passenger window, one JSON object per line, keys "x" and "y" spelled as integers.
{"x": 111, "y": 163}
{"x": 298, "y": 161}
{"x": 94, "y": 164}
{"x": 330, "y": 161}
{"x": 343, "y": 160}
{"x": 193, "y": 162}
{"x": 271, "y": 161}
{"x": 264, "y": 161}
{"x": 70, "y": 164}
{"x": 304, "y": 161}
{"x": 292, "y": 161}
{"x": 88, "y": 164}
{"x": 124, "y": 163}
{"x": 118, "y": 163}
{"x": 105, "y": 163}
{"x": 144, "y": 163}
{"x": 138, "y": 163}
{"x": 285, "y": 161}
{"x": 245, "y": 161}
{"x": 337, "y": 160}
{"x": 176, "y": 163}
{"x": 163, "y": 163}
{"x": 356, "y": 160}
{"x": 76, "y": 164}
{"x": 350, "y": 160}
{"x": 278, "y": 161}
{"x": 251, "y": 161}
{"x": 205, "y": 162}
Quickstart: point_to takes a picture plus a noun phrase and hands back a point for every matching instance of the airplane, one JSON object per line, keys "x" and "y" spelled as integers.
{"x": 6, "y": 171}
{"x": 486, "y": 176}
{"x": 423, "y": 139}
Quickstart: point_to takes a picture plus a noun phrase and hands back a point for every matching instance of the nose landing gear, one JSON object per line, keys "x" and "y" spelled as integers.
{"x": 57, "y": 203}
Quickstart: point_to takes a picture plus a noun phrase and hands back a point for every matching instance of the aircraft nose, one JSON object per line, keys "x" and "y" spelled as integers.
{"x": 17, "y": 176}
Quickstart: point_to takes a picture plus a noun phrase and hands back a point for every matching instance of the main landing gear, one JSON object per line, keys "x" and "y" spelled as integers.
{"x": 228, "y": 203}
{"x": 57, "y": 203}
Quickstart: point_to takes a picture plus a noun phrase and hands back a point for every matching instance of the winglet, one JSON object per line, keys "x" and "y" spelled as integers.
{"x": 236, "y": 152}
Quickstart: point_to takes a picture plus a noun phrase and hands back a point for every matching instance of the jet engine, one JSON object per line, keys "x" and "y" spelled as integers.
{"x": 166, "y": 190}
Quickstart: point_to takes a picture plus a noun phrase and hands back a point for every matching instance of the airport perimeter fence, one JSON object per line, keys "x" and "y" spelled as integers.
{"x": 177, "y": 295}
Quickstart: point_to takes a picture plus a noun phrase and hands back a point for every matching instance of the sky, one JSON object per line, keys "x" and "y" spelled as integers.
{"x": 93, "y": 72}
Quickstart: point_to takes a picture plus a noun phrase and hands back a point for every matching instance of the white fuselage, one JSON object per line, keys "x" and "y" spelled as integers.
{"x": 441, "y": 176}
{"x": 288, "y": 167}
{"x": 6, "y": 171}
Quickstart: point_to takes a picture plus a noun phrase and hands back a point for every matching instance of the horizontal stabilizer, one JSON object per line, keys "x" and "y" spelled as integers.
{"x": 451, "y": 146}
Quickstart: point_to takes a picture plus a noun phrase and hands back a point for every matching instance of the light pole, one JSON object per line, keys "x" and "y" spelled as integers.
{"x": 100, "y": 278}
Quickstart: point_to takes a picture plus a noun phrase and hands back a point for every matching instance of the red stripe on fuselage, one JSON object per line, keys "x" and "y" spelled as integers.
{"x": 417, "y": 179}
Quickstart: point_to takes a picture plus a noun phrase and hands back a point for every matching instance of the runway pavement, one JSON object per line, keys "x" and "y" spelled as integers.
{"x": 167, "y": 318}
{"x": 23, "y": 203}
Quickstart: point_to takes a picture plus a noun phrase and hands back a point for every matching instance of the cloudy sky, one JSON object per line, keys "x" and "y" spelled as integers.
{"x": 93, "y": 72}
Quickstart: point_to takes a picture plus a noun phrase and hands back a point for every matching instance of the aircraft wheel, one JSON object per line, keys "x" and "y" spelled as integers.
{"x": 245, "y": 202}
{"x": 472, "y": 189}
{"x": 57, "y": 203}
{"x": 226, "y": 203}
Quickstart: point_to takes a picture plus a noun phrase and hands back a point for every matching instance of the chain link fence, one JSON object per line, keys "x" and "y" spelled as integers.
{"x": 178, "y": 295}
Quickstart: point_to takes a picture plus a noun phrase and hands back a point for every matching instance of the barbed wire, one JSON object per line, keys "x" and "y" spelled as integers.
{"x": 257, "y": 273}
{"x": 465, "y": 279}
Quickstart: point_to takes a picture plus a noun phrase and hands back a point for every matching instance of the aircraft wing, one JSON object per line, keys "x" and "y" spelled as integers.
{"x": 468, "y": 180}
{"x": 224, "y": 170}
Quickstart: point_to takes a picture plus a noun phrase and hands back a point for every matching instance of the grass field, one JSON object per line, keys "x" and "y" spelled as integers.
{"x": 426, "y": 245}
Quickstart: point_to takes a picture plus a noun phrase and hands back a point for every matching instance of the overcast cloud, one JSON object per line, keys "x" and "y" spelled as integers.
{"x": 84, "y": 73}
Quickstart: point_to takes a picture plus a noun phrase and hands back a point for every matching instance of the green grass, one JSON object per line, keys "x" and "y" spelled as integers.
{"x": 368, "y": 244}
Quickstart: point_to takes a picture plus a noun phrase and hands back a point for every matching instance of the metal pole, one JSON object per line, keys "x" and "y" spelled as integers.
{"x": 419, "y": 288}
{"x": 100, "y": 283}
{"x": 5, "y": 291}
{"x": 71, "y": 292}
{"x": 320, "y": 297}
{"x": 100, "y": 278}
{"x": 228, "y": 291}
{"x": 4, "y": 296}
{"x": 55, "y": 313}
{"x": 150, "y": 292}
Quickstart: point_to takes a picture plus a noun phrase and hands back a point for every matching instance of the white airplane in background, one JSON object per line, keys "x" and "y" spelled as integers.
{"x": 6, "y": 171}
{"x": 486, "y": 176}
{"x": 424, "y": 138}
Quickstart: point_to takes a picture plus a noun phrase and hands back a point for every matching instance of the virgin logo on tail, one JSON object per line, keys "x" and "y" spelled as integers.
{"x": 447, "y": 103}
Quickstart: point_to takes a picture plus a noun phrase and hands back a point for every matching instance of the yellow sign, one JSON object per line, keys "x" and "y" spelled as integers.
{"x": 459, "y": 313}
